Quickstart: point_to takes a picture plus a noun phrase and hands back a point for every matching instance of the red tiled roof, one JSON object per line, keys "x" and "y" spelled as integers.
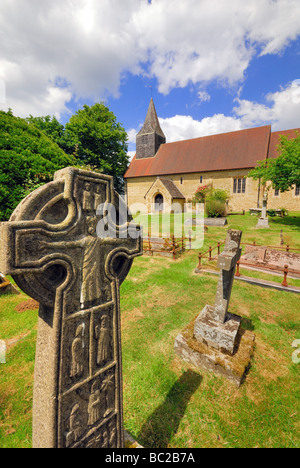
{"x": 275, "y": 141}
{"x": 172, "y": 189}
{"x": 235, "y": 150}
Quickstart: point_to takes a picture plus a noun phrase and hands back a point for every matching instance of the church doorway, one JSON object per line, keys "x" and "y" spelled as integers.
{"x": 159, "y": 202}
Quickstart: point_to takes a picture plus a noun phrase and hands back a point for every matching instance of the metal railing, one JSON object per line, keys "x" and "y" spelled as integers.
{"x": 286, "y": 270}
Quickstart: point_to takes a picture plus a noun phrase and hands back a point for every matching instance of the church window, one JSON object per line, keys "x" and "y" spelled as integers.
{"x": 181, "y": 180}
{"x": 297, "y": 191}
{"x": 276, "y": 192}
{"x": 201, "y": 179}
{"x": 239, "y": 185}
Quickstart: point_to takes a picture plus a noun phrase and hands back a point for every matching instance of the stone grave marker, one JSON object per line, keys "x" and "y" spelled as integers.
{"x": 263, "y": 221}
{"x": 65, "y": 248}
{"x": 215, "y": 326}
{"x": 215, "y": 340}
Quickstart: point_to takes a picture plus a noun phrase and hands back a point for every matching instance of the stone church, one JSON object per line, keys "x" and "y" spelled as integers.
{"x": 164, "y": 174}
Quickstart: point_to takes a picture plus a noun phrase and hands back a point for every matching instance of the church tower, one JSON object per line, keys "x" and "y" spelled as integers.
{"x": 151, "y": 136}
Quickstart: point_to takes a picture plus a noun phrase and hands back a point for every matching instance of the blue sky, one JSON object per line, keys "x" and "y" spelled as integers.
{"x": 211, "y": 66}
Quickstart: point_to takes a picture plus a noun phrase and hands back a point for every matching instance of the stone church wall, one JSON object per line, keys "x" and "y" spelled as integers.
{"x": 137, "y": 188}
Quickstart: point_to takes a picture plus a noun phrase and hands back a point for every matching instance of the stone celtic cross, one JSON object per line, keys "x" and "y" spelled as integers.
{"x": 67, "y": 248}
{"x": 215, "y": 326}
{"x": 215, "y": 341}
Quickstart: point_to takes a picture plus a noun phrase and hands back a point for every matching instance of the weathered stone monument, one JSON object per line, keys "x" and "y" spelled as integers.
{"x": 215, "y": 326}
{"x": 215, "y": 340}
{"x": 263, "y": 221}
{"x": 69, "y": 245}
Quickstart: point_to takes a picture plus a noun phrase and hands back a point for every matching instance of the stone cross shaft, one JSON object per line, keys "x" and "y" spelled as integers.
{"x": 60, "y": 248}
{"x": 227, "y": 261}
{"x": 264, "y": 206}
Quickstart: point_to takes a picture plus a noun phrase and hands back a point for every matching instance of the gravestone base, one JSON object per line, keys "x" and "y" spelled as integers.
{"x": 215, "y": 222}
{"x": 201, "y": 356}
{"x": 263, "y": 223}
{"x": 221, "y": 336}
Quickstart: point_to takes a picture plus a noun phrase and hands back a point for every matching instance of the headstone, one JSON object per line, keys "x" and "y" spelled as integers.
{"x": 71, "y": 255}
{"x": 215, "y": 326}
{"x": 263, "y": 220}
{"x": 218, "y": 222}
{"x": 214, "y": 340}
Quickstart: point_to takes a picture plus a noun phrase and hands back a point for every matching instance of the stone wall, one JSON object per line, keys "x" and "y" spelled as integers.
{"x": 138, "y": 187}
{"x": 287, "y": 200}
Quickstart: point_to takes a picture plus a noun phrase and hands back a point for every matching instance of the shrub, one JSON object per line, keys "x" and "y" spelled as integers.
{"x": 215, "y": 203}
{"x": 201, "y": 193}
{"x": 218, "y": 194}
{"x": 215, "y": 208}
{"x": 284, "y": 212}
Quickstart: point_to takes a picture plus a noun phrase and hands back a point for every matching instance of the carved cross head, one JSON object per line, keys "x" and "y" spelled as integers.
{"x": 228, "y": 259}
{"x": 69, "y": 245}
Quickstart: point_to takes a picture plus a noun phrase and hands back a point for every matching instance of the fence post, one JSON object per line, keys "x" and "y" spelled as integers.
{"x": 174, "y": 248}
{"x": 200, "y": 261}
{"x": 210, "y": 251}
{"x": 149, "y": 242}
{"x": 281, "y": 237}
{"x": 287, "y": 248}
{"x": 219, "y": 246}
{"x": 190, "y": 240}
{"x": 286, "y": 271}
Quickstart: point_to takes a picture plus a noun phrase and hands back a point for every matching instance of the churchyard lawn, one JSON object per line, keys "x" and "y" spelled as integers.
{"x": 165, "y": 225}
{"x": 167, "y": 403}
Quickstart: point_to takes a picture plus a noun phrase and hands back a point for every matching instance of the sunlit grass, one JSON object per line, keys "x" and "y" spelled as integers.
{"x": 167, "y": 403}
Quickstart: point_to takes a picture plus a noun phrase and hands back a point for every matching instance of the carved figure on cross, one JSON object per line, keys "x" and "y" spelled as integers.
{"x": 57, "y": 254}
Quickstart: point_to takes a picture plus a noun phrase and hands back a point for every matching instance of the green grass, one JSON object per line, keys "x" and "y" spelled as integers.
{"x": 166, "y": 225}
{"x": 167, "y": 403}
{"x": 16, "y": 376}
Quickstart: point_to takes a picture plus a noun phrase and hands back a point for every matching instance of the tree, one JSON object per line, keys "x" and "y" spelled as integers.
{"x": 100, "y": 142}
{"x": 52, "y": 127}
{"x": 28, "y": 158}
{"x": 284, "y": 171}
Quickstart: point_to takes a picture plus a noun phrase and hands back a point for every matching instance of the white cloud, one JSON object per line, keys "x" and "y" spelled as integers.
{"x": 132, "y": 132}
{"x": 86, "y": 43}
{"x": 131, "y": 154}
{"x": 184, "y": 127}
{"x": 204, "y": 40}
{"x": 203, "y": 96}
{"x": 91, "y": 43}
{"x": 2, "y": 91}
{"x": 282, "y": 110}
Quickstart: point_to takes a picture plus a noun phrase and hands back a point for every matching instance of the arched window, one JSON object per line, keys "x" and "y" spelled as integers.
{"x": 159, "y": 202}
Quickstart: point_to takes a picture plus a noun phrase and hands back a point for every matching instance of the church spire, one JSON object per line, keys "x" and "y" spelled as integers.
{"x": 151, "y": 136}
